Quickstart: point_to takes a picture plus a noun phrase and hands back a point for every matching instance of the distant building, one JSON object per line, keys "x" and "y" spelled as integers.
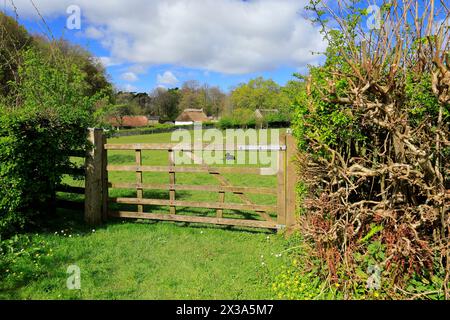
{"x": 153, "y": 120}
{"x": 191, "y": 116}
{"x": 129, "y": 122}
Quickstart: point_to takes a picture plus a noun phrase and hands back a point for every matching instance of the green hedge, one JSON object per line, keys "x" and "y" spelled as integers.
{"x": 51, "y": 117}
{"x": 32, "y": 162}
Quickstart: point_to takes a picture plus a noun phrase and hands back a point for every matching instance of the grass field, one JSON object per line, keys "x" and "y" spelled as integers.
{"x": 151, "y": 260}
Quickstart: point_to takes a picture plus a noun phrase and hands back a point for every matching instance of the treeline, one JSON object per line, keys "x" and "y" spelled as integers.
{"x": 235, "y": 109}
{"x": 169, "y": 103}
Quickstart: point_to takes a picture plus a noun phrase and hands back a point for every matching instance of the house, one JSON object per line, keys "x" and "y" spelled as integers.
{"x": 153, "y": 120}
{"x": 191, "y": 116}
{"x": 129, "y": 122}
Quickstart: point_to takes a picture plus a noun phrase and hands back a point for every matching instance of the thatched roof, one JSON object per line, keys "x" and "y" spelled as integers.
{"x": 193, "y": 115}
{"x": 129, "y": 121}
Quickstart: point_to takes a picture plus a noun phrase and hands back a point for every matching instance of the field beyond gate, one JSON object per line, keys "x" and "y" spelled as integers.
{"x": 148, "y": 184}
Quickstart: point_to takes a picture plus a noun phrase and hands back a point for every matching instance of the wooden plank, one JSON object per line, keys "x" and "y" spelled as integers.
{"x": 172, "y": 181}
{"x": 237, "y": 170}
{"x": 74, "y": 153}
{"x": 292, "y": 179}
{"x": 191, "y": 219}
{"x": 70, "y": 205}
{"x": 205, "y": 147}
{"x": 221, "y": 200}
{"x": 139, "y": 179}
{"x": 194, "y": 204}
{"x": 180, "y": 187}
{"x": 73, "y": 171}
{"x": 224, "y": 182}
{"x": 281, "y": 198}
{"x": 93, "y": 195}
{"x": 69, "y": 189}
{"x": 105, "y": 189}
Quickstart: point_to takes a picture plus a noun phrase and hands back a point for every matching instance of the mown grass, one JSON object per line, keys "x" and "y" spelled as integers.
{"x": 127, "y": 259}
{"x": 146, "y": 260}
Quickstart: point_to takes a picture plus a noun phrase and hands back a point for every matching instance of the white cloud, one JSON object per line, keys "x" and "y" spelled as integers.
{"x": 108, "y": 61}
{"x": 167, "y": 78}
{"x": 227, "y": 36}
{"x": 128, "y": 88}
{"x": 129, "y": 76}
{"x": 94, "y": 33}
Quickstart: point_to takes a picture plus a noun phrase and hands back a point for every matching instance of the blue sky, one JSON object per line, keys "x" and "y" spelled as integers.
{"x": 164, "y": 43}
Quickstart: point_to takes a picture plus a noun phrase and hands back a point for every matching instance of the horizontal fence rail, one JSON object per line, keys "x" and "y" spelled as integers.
{"x": 195, "y": 204}
{"x": 74, "y": 171}
{"x": 219, "y": 170}
{"x": 192, "y": 219}
{"x": 194, "y": 147}
{"x": 181, "y": 187}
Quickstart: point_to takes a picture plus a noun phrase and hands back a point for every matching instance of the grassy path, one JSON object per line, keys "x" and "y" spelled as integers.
{"x": 132, "y": 260}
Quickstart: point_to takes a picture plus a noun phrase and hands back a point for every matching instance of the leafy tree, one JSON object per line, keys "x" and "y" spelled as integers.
{"x": 52, "y": 117}
{"x": 165, "y": 103}
{"x": 259, "y": 94}
{"x": 95, "y": 72}
{"x": 13, "y": 40}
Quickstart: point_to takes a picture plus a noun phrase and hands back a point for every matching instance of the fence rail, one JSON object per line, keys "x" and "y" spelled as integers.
{"x": 76, "y": 171}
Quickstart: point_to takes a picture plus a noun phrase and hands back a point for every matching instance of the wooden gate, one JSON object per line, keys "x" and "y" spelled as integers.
{"x": 276, "y": 216}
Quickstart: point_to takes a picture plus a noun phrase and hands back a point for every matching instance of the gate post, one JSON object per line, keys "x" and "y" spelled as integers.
{"x": 292, "y": 180}
{"x": 94, "y": 182}
{"x": 105, "y": 183}
{"x": 281, "y": 198}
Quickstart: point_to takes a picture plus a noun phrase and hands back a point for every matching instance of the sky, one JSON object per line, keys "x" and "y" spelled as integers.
{"x": 145, "y": 44}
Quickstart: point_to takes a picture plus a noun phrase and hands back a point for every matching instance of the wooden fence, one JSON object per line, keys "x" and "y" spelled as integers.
{"x": 78, "y": 171}
{"x": 97, "y": 200}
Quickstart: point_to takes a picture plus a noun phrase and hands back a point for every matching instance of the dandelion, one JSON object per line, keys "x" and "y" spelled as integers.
{"x": 93, "y": 230}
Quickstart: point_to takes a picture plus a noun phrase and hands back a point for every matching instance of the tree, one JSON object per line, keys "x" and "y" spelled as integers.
{"x": 14, "y": 40}
{"x": 194, "y": 96}
{"x": 165, "y": 103}
{"x": 258, "y": 94}
{"x": 95, "y": 72}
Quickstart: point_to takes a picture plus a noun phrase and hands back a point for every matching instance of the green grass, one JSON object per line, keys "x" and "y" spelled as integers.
{"x": 128, "y": 259}
{"x": 152, "y": 260}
